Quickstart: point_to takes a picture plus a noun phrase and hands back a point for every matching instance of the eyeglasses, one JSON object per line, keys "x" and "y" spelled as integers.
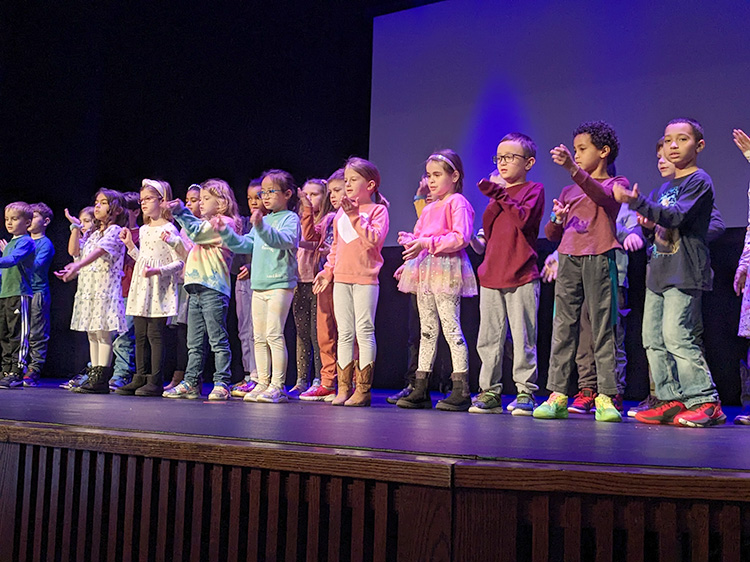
{"x": 149, "y": 199}
{"x": 509, "y": 158}
{"x": 268, "y": 192}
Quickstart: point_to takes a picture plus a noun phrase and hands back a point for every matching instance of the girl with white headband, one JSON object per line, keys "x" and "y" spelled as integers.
{"x": 154, "y": 288}
{"x": 438, "y": 270}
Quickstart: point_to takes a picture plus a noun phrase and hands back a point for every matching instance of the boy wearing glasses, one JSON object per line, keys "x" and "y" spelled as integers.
{"x": 584, "y": 221}
{"x": 509, "y": 277}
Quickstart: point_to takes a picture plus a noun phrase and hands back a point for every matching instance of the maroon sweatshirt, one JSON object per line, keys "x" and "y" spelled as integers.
{"x": 511, "y": 228}
{"x": 590, "y": 228}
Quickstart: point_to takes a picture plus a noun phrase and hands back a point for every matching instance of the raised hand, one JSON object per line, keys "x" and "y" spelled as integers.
{"x": 625, "y": 195}
{"x": 561, "y": 211}
{"x": 127, "y": 237}
{"x": 218, "y": 224}
{"x": 256, "y": 218}
{"x": 304, "y": 198}
{"x": 3, "y": 244}
{"x": 174, "y": 205}
{"x": 742, "y": 141}
{"x": 398, "y": 272}
{"x": 350, "y": 206}
{"x": 72, "y": 219}
{"x": 562, "y": 157}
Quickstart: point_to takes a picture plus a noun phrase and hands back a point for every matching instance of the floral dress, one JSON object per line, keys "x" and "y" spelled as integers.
{"x": 155, "y": 296}
{"x": 98, "y": 304}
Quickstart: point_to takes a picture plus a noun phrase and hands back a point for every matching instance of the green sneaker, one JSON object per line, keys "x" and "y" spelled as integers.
{"x": 487, "y": 403}
{"x": 605, "y": 409}
{"x": 554, "y": 408}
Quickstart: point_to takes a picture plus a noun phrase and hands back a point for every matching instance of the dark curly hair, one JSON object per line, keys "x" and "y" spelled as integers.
{"x": 602, "y": 134}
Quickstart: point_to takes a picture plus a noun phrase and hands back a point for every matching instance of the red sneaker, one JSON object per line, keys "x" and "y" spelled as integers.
{"x": 617, "y": 401}
{"x": 702, "y": 415}
{"x": 583, "y": 402}
{"x": 663, "y": 412}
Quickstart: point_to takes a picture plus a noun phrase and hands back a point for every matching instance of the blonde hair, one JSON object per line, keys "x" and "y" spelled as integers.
{"x": 227, "y": 202}
{"x": 370, "y": 172}
{"x": 163, "y": 191}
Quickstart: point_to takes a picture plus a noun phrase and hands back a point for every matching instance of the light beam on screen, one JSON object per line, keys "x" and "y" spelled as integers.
{"x": 463, "y": 73}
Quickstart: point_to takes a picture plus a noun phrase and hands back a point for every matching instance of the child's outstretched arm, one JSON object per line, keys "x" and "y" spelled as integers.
{"x": 230, "y": 238}
{"x": 373, "y": 229}
{"x": 690, "y": 198}
{"x": 23, "y": 248}
{"x": 599, "y": 193}
{"x": 285, "y": 236}
{"x": 70, "y": 271}
{"x": 74, "y": 242}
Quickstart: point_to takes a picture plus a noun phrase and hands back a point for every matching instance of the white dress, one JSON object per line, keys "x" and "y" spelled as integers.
{"x": 155, "y": 296}
{"x": 98, "y": 304}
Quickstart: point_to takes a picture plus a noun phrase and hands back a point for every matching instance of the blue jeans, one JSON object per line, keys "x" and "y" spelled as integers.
{"x": 207, "y": 314}
{"x": 672, "y": 326}
{"x": 124, "y": 351}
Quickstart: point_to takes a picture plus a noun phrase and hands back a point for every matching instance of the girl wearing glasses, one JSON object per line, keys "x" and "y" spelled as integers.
{"x": 153, "y": 292}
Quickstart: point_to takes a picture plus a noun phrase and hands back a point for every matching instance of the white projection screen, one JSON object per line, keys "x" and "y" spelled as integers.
{"x": 462, "y": 73}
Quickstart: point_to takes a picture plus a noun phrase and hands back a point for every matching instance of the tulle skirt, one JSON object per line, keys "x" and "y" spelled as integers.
{"x": 448, "y": 275}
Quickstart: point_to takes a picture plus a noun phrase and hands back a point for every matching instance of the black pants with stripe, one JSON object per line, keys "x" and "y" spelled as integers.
{"x": 14, "y": 333}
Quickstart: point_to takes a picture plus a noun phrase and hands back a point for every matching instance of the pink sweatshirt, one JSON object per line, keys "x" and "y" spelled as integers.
{"x": 446, "y": 225}
{"x": 357, "y": 244}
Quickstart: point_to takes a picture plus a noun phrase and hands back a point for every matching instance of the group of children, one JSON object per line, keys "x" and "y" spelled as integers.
{"x": 318, "y": 250}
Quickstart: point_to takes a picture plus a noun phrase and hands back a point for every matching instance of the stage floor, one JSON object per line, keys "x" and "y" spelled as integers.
{"x": 386, "y": 428}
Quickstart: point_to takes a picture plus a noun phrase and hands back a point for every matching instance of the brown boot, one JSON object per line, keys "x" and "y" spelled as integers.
{"x": 344, "y": 376}
{"x": 361, "y": 396}
{"x": 177, "y": 377}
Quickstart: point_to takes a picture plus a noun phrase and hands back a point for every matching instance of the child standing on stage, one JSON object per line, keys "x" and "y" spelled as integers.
{"x": 273, "y": 243}
{"x": 676, "y": 219}
{"x": 243, "y": 297}
{"x": 438, "y": 271}
{"x": 16, "y": 271}
{"x": 182, "y": 246}
{"x": 359, "y": 231}
{"x": 98, "y": 308}
{"x": 314, "y": 205}
{"x": 741, "y": 287}
{"x": 509, "y": 278}
{"x": 322, "y": 234}
{"x": 153, "y": 289}
{"x": 583, "y": 219}
{"x": 39, "y": 314}
{"x": 208, "y": 284}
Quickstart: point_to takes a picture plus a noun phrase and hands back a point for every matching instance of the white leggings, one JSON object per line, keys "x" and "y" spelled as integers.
{"x": 270, "y": 309}
{"x": 100, "y": 348}
{"x": 434, "y": 311}
{"x": 354, "y": 308}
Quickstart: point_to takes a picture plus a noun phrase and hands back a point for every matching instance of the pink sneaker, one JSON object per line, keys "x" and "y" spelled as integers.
{"x": 243, "y": 387}
{"x": 317, "y": 394}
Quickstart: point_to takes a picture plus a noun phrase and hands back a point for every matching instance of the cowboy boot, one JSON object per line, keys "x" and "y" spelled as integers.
{"x": 344, "y": 376}
{"x": 361, "y": 396}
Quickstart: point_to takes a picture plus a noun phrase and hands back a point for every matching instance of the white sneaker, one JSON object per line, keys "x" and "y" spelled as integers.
{"x": 273, "y": 395}
{"x": 259, "y": 389}
{"x": 220, "y": 392}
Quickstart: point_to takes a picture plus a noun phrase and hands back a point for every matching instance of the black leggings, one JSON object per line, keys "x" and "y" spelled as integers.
{"x": 149, "y": 332}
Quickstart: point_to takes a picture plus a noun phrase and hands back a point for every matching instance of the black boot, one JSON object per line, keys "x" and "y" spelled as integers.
{"x": 154, "y": 386}
{"x": 460, "y": 398}
{"x": 130, "y": 388}
{"x": 419, "y": 398}
{"x": 98, "y": 382}
{"x": 404, "y": 392}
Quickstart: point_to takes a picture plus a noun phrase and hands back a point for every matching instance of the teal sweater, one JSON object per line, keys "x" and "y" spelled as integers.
{"x": 273, "y": 244}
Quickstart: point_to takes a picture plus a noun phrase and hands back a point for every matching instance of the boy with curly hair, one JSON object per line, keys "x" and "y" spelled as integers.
{"x": 584, "y": 221}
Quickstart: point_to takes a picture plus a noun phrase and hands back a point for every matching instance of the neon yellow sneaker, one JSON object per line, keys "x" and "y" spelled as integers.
{"x": 605, "y": 409}
{"x": 554, "y": 408}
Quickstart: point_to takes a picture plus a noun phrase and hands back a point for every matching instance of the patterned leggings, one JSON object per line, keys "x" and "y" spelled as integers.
{"x": 434, "y": 311}
{"x": 305, "y": 311}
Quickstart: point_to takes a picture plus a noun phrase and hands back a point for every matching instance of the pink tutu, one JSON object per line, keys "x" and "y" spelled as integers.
{"x": 450, "y": 274}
